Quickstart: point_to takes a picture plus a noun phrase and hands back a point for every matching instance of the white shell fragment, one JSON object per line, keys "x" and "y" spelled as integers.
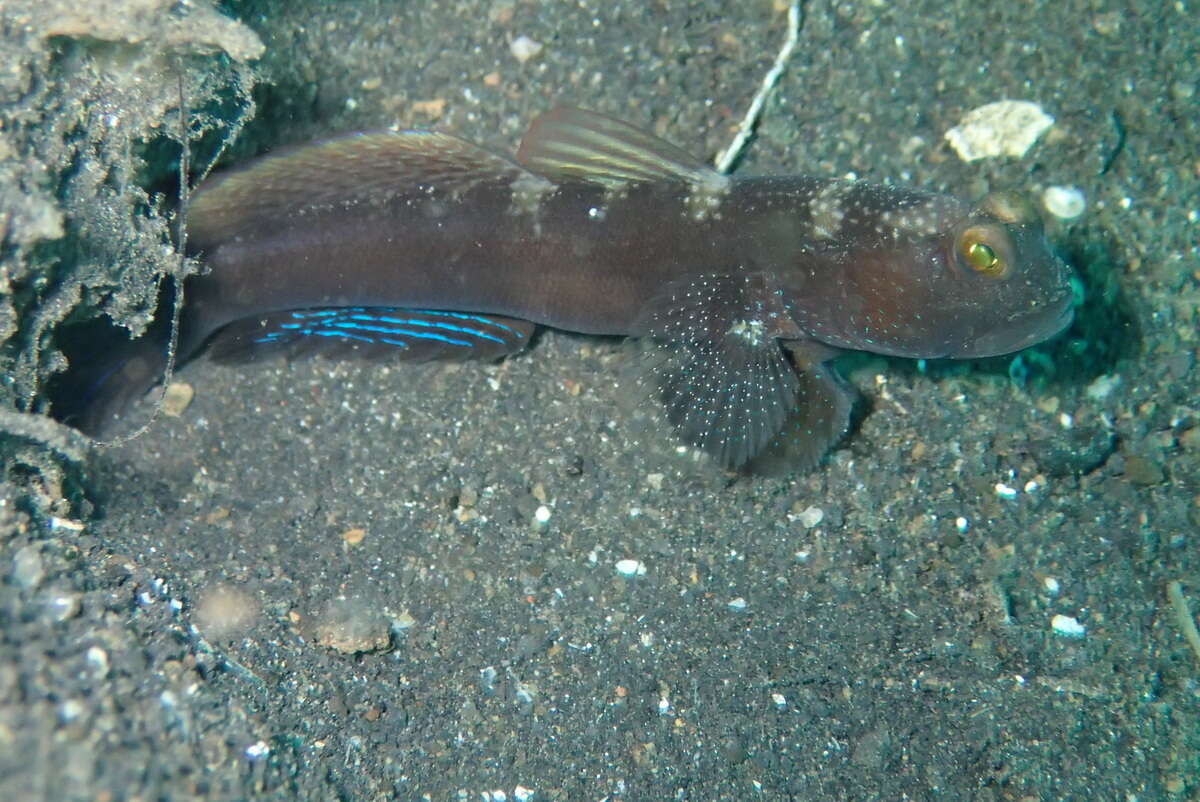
{"x": 1003, "y": 128}
{"x": 1067, "y": 626}
{"x": 523, "y": 48}
{"x": 631, "y": 568}
{"x": 811, "y": 517}
{"x": 1065, "y": 203}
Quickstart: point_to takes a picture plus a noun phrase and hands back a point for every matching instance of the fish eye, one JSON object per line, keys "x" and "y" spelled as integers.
{"x": 985, "y": 250}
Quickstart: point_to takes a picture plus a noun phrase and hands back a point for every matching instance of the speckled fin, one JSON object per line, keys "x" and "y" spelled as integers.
{"x": 820, "y": 416}
{"x": 356, "y": 168}
{"x": 717, "y": 365}
{"x": 586, "y": 146}
{"x": 409, "y": 334}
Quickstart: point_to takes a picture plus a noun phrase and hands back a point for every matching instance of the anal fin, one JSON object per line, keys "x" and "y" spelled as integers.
{"x": 818, "y": 420}
{"x": 372, "y": 332}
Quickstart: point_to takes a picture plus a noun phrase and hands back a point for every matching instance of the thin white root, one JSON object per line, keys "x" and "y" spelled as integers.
{"x": 731, "y": 154}
{"x": 1183, "y": 616}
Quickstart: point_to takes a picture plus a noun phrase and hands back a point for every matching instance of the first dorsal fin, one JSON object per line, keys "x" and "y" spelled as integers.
{"x": 361, "y": 168}
{"x": 583, "y": 145}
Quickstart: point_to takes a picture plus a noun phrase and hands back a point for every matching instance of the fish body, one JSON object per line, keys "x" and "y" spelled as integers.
{"x": 427, "y": 246}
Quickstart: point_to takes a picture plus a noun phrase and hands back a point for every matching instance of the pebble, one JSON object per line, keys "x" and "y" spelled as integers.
{"x": 224, "y": 611}
{"x": 353, "y": 628}
{"x": 630, "y": 568}
{"x": 523, "y": 48}
{"x": 812, "y": 516}
{"x": 28, "y": 570}
{"x": 177, "y": 398}
{"x": 1067, "y": 626}
{"x": 1065, "y": 203}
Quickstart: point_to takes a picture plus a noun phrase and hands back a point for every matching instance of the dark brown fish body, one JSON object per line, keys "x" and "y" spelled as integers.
{"x": 744, "y": 285}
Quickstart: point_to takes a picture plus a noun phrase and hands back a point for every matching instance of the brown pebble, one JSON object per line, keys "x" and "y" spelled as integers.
{"x": 225, "y": 612}
{"x": 1142, "y": 471}
{"x": 433, "y": 109}
{"x": 352, "y": 537}
{"x": 177, "y": 398}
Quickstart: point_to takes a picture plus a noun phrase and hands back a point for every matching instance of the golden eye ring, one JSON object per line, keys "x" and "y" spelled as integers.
{"x": 985, "y": 249}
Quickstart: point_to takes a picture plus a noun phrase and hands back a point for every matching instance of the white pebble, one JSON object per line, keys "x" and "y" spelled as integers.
{"x": 27, "y": 569}
{"x": 1065, "y": 203}
{"x": 97, "y": 659}
{"x": 812, "y": 516}
{"x": 1102, "y": 387}
{"x": 1005, "y": 492}
{"x": 738, "y": 604}
{"x": 631, "y": 568}
{"x": 1051, "y": 585}
{"x": 1004, "y": 128}
{"x": 257, "y": 751}
{"x": 962, "y": 524}
{"x": 523, "y": 48}
{"x": 1067, "y": 626}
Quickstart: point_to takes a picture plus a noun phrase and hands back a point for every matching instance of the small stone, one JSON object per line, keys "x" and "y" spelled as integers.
{"x": 433, "y": 109}
{"x": 631, "y": 568}
{"x": 811, "y": 516}
{"x": 97, "y": 660}
{"x": 352, "y": 537}
{"x": 1102, "y": 387}
{"x": 1143, "y": 471}
{"x": 224, "y": 611}
{"x": 62, "y": 606}
{"x": 177, "y": 398}
{"x": 352, "y": 627}
{"x": 28, "y": 570}
{"x": 1065, "y": 203}
{"x": 1067, "y": 626}
{"x": 523, "y": 48}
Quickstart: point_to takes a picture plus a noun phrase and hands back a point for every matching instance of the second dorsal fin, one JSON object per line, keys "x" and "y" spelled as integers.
{"x": 583, "y": 145}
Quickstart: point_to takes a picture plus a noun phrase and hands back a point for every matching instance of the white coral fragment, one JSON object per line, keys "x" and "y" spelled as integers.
{"x": 1003, "y": 128}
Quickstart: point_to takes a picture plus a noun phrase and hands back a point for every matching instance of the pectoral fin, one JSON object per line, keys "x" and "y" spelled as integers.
{"x": 717, "y": 365}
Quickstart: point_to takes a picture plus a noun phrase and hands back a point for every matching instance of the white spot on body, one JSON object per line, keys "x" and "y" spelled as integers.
{"x": 529, "y": 191}
{"x": 706, "y": 195}
{"x": 827, "y": 212}
{"x": 752, "y": 331}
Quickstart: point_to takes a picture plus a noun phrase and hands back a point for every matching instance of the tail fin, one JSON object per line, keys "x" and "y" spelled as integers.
{"x": 107, "y": 371}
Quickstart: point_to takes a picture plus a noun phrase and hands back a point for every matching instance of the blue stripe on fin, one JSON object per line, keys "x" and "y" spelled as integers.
{"x": 383, "y": 331}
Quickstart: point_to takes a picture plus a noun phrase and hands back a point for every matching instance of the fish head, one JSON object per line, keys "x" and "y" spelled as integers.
{"x": 933, "y": 277}
{"x": 1004, "y": 288}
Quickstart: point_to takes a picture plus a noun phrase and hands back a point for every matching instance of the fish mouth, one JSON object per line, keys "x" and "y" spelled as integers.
{"x": 1003, "y": 342}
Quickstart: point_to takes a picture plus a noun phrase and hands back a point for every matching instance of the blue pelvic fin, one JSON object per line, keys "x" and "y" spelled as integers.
{"x": 372, "y": 332}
